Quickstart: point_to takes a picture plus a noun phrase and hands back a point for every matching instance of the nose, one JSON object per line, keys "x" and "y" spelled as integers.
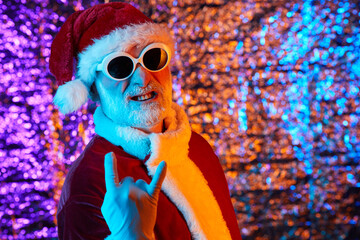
{"x": 141, "y": 77}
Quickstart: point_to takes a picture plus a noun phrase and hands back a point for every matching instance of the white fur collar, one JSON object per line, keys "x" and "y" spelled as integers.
{"x": 132, "y": 140}
{"x": 184, "y": 183}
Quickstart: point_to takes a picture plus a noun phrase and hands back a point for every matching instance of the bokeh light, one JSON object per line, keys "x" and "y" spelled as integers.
{"x": 272, "y": 85}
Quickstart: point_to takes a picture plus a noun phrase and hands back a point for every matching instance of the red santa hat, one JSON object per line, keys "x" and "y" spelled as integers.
{"x": 88, "y": 36}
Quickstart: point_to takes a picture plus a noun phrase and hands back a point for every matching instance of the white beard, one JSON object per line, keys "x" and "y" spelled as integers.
{"x": 133, "y": 140}
{"x": 147, "y": 115}
{"x": 143, "y": 115}
{"x": 126, "y": 112}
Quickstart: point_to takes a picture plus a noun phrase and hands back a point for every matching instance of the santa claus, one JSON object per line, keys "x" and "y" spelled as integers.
{"x": 145, "y": 175}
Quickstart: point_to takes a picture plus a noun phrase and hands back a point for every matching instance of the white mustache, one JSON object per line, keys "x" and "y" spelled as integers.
{"x": 136, "y": 91}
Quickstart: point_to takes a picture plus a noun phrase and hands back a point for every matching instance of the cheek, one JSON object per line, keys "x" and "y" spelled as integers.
{"x": 111, "y": 84}
{"x": 110, "y": 92}
{"x": 164, "y": 77}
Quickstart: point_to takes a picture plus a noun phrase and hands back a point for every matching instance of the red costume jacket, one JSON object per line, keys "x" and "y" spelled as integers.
{"x": 79, "y": 215}
{"x": 194, "y": 201}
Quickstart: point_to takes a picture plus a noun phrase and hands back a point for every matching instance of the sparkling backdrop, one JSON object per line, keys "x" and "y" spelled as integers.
{"x": 272, "y": 85}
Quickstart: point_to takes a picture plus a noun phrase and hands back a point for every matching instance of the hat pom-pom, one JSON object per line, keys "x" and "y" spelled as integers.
{"x": 71, "y": 96}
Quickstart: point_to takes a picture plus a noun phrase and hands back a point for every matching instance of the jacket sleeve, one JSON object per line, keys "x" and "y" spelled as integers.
{"x": 81, "y": 218}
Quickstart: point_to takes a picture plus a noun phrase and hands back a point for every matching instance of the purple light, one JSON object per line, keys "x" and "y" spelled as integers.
{"x": 273, "y": 86}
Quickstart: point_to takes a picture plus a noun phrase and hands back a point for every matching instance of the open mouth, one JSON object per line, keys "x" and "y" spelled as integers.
{"x": 145, "y": 97}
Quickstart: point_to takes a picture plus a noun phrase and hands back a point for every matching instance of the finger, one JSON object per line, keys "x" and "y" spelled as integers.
{"x": 155, "y": 185}
{"x": 127, "y": 180}
{"x": 141, "y": 184}
{"x": 128, "y": 189}
{"x": 141, "y": 189}
{"x": 111, "y": 173}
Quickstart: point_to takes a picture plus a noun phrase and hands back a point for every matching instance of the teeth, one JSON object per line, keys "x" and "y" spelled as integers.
{"x": 144, "y": 97}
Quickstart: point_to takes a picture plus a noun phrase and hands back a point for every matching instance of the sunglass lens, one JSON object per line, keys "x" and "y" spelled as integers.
{"x": 120, "y": 67}
{"x": 155, "y": 59}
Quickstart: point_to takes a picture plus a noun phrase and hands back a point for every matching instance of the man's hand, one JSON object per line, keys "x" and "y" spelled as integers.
{"x": 129, "y": 207}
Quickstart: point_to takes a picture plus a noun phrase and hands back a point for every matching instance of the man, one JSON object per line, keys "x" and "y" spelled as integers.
{"x": 145, "y": 138}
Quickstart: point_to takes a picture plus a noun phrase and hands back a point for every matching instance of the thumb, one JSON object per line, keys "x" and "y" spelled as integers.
{"x": 155, "y": 185}
{"x": 111, "y": 173}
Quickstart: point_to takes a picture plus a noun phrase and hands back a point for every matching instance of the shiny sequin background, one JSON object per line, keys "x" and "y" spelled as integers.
{"x": 272, "y": 85}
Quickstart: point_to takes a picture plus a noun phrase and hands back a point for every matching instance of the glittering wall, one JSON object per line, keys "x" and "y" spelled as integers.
{"x": 272, "y": 85}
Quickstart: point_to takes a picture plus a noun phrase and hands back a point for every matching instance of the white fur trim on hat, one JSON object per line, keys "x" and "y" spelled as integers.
{"x": 70, "y": 96}
{"x": 120, "y": 40}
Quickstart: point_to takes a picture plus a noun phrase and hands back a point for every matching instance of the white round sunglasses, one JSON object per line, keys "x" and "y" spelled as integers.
{"x": 120, "y": 66}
